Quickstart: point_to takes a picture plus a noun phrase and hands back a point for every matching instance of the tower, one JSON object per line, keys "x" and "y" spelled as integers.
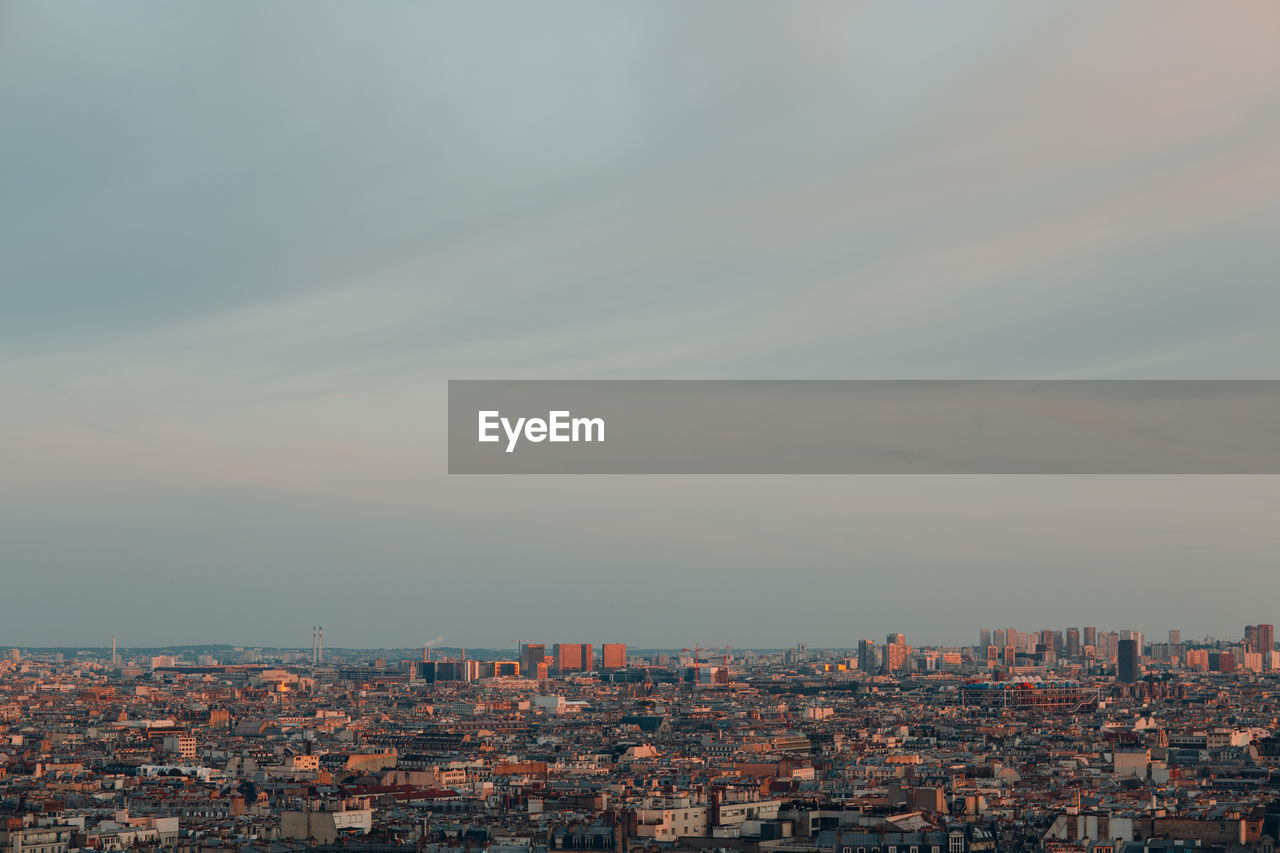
{"x": 1127, "y": 661}
{"x": 1266, "y": 635}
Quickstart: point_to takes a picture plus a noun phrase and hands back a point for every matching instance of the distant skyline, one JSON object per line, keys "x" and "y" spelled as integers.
{"x": 243, "y": 247}
{"x": 437, "y": 647}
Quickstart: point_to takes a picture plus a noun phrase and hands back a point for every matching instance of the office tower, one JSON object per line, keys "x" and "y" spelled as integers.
{"x": 1091, "y": 636}
{"x": 613, "y": 656}
{"x": 1073, "y": 643}
{"x": 1127, "y": 661}
{"x": 1107, "y": 644}
{"x": 1010, "y": 656}
{"x": 894, "y": 658}
{"x": 984, "y": 638}
{"x": 1175, "y": 637}
{"x": 571, "y": 657}
{"x": 1266, "y": 643}
{"x": 531, "y": 654}
{"x": 997, "y": 638}
{"x": 867, "y": 654}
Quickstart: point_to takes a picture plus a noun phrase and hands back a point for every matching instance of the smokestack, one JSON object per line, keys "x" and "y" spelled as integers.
{"x": 115, "y": 658}
{"x": 320, "y": 645}
{"x": 313, "y": 645}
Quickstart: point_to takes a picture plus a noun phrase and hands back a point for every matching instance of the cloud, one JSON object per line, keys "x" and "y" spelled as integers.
{"x": 244, "y": 246}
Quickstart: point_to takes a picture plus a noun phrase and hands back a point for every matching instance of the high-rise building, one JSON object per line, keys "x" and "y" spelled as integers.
{"x": 571, "y": 657}
{"x": 894, "y": 658}
{"x": 984, "y": 637}
{"x": 613, "y": 656}
{"x": 1222, "y": 662}
{"x": 1107, "y": 641}
{"x": 1175, "y": 637}
{"x": 997, "y": 637}
{"x": 1197, "y": 659}
{"x": 1073, "y": 643}
{"x": 867, "y": 657}
{"x": 1266, "y": 643}
{"x": 1251, "y": 637}
{"x": 1091, "y": 636}
{"x": 1127, "y": 661}
{"x": 531, "y": 654}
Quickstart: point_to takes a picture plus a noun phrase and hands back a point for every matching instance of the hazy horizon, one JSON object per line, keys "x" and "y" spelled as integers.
{"x": 244, "y": 247}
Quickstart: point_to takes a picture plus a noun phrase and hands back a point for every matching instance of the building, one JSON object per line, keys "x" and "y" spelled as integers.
{"x": 867, "y": 657}
{"x": 1074, "y": 645}
{"x": 613, "y": 656}
{"x": 571, "y": 657}
{"x": 531, "y": 655}
{"x": 35, "y": 839}
{"x": 1028, "y": 694}
{"x": 180, "y": 745}
{"x": 325, "y": 827}
{"x": 1127, "y": 661}
{"x": 1266, "y": 640}
{"x": 894, "y": 654}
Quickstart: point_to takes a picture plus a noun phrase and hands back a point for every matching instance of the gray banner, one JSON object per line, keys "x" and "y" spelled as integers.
{"x": 863, "y": 427}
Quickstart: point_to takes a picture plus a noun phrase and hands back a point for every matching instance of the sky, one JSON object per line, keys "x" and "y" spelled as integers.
{"x": 243, "y": 246}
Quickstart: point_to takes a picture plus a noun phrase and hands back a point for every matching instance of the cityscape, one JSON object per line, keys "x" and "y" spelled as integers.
{"x": 719, "y": 427}
{"x": 1068, "y": 740}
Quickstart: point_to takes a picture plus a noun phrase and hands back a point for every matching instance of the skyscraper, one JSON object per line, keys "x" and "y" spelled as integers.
{"x": 613, "y": 656}
{"x": 895, "y": 653}
{"x": 1175, "y": 637}
{"x": 984, "y": 638}
{"x": 571, "y": 657}
{"x": 1090, "y": 636}
{"x": 867, "y": 657}
{"x": 1127, "y": 660}
{"x": 1073, "y": 643}
{"x": 531, "y": 654}
{"x": 1266, "y": 642}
